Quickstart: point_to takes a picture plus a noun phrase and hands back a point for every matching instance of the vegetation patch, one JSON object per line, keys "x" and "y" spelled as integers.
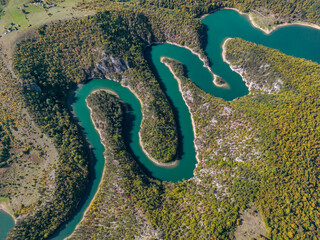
{"x": 85, "y": 50}
{"x": 286, "y": 123}
{"x": 251, "y": 225}
{"x": 122, "y": 180}
{"x": 301, "y": 10}
{"x": 262, "y": 148}
{"x": 27, "y": 154}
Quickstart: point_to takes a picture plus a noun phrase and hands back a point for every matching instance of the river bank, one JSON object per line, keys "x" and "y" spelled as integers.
{"x": 192, "y": 120}
{"x": 239, "y": 70}
{"x": 256, "y": 25}
{"x": 5, "y": 206}
{"x": 205, "y": 65}
{"x": 224, "y": 51}
{"x": 250, "y": 81}
{"x": 91, "y": 114}
{"x": 169, "y": 164}
{"x": 103, "y": 171}
{"x": 269, "y": 31}
{"x": 203, "y": 59}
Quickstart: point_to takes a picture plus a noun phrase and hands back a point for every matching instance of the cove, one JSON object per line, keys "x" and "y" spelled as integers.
{"x": 6, "y": 223}
{"x": 294, "y": 40}
{"x": 299, "y": 41}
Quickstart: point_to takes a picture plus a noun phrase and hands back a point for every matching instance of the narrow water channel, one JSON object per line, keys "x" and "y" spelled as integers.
{"x": 294, "y": 40}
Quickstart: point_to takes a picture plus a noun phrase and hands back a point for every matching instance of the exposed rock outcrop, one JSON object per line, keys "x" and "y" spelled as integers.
{"x": 108, "y": 67}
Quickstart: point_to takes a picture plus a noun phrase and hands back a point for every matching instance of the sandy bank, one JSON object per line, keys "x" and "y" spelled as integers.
{"x": 169, "y": 164}
{"x": 6, "y": 208}
{"x": 205, "y": 65}
{"x": 249, "y": 85}
{"x": 224, "y": 51}
{"x": 105, "y": 90}
{"x": 103, "y": 172}
{"x": 269, "y": 31}
{"x": 221, "y": 85}
{"x": 193, "y": 123}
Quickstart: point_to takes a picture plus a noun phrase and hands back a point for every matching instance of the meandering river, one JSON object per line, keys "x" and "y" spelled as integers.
{"x": 293, "y": 40}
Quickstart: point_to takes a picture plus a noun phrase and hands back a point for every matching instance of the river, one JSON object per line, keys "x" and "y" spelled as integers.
{"x": 295, "y": 40}
{"x": 6, "y": 223}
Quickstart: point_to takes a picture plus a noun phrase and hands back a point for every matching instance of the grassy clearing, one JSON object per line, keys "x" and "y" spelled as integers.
{"x": 264, "y": 18}
{"x": 29, "y": 182}
{"x": 251, "y": 225}
{"x": 4, "y": 200}
{"x": 25, "y": 16}
{"x": 30, "y": 178}
{"x": 5, "y": 203}
{"x": 13, "y": 13}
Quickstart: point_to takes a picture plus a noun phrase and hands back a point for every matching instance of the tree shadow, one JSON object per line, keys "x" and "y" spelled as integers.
{"x": 180, "y": 152}
{"x": 128, "y": 124}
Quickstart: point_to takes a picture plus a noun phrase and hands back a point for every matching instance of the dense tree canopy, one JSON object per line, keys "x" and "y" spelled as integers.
{"x": 283, "y": 181}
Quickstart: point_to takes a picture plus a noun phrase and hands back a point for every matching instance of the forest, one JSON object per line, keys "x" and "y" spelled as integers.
{"x": 289, "y": 184}
{"x": 136, "y": 194}
{"x": 59, "y": 66}
{"x": 285, "y": 11}
{"x": 165, "y": 205}
{"x": 282, "y": 181}
{"x": 8, "y": 114}
{"x": 204, "y": 207}
{"x": 304, "y": 10}
{"x": 111, "y": 36}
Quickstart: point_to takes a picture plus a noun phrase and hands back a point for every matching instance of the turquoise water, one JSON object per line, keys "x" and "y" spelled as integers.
{"x": 294, "y": 40}
{"x": 6, "y": 223}
{"x": 183, "y": 170}
{"x": 133, "y": 127}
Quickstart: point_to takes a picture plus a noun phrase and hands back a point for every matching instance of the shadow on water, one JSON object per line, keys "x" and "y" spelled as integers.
{"x": 204, "y": 41}
{"x": 129, "y": 120}
{"x": 217, "y": 27}
{"x": 180, "y": 152}
{"x": 92, "y": 172}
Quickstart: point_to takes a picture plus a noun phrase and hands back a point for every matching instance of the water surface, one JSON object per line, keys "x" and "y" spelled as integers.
{"x": 294, "y": 40}
{"x": 6, "y": 223}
